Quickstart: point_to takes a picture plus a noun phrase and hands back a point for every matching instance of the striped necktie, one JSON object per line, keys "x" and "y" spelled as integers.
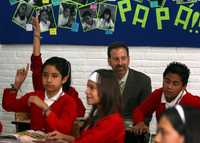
{"x": 121, "y": 85}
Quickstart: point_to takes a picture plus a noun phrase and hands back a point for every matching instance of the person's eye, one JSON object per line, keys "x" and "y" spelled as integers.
{"x": 55, "y": 75}
{"x": 176, "y": 83}
{"x": 167, "y": 81}
{"x": 45, "y": 75}
{"x": 115, "y": 59}
{"x": 124, "y": 58}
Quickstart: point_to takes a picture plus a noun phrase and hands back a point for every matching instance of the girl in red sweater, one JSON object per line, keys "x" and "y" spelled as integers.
{"x": 104, "y": 124}
{"x": 51, "y": 109}
{"x": 36, "y": 64}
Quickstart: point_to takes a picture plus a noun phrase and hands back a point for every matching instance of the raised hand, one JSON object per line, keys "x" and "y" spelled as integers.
{"x": 36, "y": 36}
{"x": 36, "y": 25}
{"x": 21, "y": 76}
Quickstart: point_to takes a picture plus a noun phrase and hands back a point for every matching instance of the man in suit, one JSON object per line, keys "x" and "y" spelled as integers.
{"x": 134, "y": 85}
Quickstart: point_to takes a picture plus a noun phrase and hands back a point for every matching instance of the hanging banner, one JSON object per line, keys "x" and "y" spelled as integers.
{"x": 172, "y": 23}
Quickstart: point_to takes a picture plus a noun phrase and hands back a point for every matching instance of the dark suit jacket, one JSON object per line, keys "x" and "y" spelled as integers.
{"x": 137, "y": 87}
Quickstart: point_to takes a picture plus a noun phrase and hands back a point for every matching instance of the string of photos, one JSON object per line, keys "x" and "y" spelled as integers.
{"x": 92, "y": 15}
{"x": 160, "y": 23}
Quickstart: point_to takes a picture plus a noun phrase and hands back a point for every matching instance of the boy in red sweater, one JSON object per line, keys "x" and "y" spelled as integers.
{"x": 175, "y": 79}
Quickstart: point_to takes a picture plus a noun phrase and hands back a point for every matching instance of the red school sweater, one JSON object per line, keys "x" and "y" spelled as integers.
{"x": 109, "y": 129}
{"x": 61, "y": 118}
{"x": 36, "y": 65}
{"x": 153, "y": 103}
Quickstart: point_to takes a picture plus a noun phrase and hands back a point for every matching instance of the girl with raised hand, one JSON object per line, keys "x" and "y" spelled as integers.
{"x": 36, "y": 64}
{"x": 51, "y": 109}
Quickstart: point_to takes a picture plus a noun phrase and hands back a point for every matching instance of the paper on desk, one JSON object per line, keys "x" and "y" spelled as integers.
{"x": 30, "y": 136}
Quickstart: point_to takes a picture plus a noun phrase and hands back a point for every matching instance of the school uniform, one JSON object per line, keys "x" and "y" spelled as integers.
{"x": 36, "y": 65}
{"x": 62, "y": 115}
{"x": 155, "y": 102}
{"x": 109, "y": 129}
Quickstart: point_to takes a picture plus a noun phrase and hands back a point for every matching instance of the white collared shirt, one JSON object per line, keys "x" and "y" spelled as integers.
{"x": 44, "y": 26}
{"x": 50, "y": 101}
{"x": 62, "y": 20}
{"x": 122, "y": 82}
{"x": 173, "y": 102}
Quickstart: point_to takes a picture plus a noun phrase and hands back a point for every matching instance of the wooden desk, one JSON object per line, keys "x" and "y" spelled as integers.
{"x": 22, "y": 125}
{"x": 22, "y": 121}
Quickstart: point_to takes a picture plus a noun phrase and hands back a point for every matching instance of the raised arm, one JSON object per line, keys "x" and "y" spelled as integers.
{"x": 36, "y": 37}
{"x": 36, "y": 60}
{"x": 9, "y": 102}
{"x": 21, "y": 76}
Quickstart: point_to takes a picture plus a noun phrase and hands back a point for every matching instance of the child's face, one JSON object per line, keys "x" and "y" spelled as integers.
{"x": 106, "y": 16}
{"x": 44, "y": 16}
{"x": 52, "y": 79}
{"x": 89, "y": 20}
{"x": 66, "y": 12}
{"x": 92, "y": 93}
{"x": 22, "y": 10}
{"x": 166, "y": 133}
{"x": 172, "y": 86}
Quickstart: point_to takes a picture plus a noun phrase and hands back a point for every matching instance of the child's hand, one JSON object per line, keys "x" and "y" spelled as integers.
{"x": 56, "y": 135}
{"x": 140, "y": 128}
{"x": 36, "y": 25}
{"x": 38, "y": 102}
{"x": 21, "y": 76}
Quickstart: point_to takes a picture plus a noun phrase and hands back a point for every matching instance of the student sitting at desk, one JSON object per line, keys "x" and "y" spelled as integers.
{"x": 173, "y": 91}
{"x": 105, "y": 123}
{"x": 36, "y": 64}
{"x": 51, "y": 109}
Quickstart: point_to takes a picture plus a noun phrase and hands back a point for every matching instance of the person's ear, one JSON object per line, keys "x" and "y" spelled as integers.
{"x": 65, "y": 79}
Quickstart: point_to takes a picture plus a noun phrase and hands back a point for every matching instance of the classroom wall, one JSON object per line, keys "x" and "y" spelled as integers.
{"x": 85, "y": 59}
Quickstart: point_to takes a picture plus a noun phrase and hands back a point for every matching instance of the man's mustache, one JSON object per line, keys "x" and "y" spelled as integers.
{"x": 120, "y": 66}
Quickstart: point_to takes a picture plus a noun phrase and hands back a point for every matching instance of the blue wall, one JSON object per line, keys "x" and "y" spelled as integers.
{"x": 171, "y": 34}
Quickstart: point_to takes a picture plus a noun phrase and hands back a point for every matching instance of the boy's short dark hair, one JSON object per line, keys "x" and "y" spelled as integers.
{"x": 116, "y": 45}
{"x": 178, "y": 68}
